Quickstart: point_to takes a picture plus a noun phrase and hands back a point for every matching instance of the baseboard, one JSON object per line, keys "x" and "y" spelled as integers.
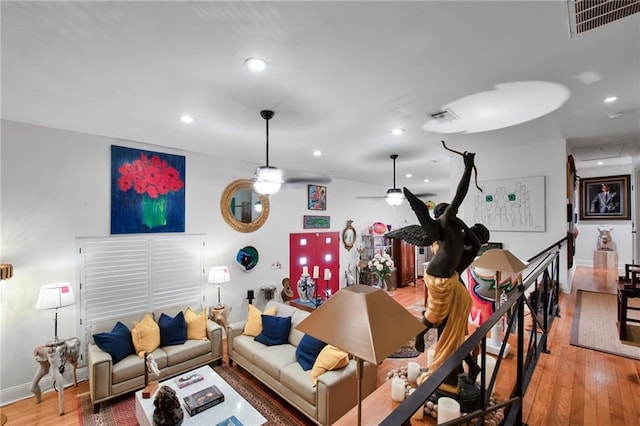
{"x": 20, "y": 392}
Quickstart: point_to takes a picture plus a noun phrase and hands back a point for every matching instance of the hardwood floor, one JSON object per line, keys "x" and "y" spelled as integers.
{"x": 571, "y": 385}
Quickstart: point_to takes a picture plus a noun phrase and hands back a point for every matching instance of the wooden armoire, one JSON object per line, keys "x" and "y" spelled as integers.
{"x": 404, "y": 257}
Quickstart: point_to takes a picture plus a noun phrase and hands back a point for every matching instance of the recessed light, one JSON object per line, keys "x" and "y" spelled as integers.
{"x": 186, "y": 119}
{"x": 600, "y": 163}
{"x": 317, "y": 153}
{"x": 397, "y": 132}
{"x": 426, "y": 180}
{"x": 256, "y": 64}
{"x": 611, "y": 99}
{"x": 408, "y": 175}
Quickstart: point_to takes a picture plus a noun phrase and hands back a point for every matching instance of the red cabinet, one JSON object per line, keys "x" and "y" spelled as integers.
{"x": 321, "y": 249}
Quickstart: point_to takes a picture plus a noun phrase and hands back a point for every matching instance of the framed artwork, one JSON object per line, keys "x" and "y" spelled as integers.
{"x": 516, "y": 204}
{"x": 488, "y": 246}
{"x": 316, "y": 222}
{"x": 147, "y": 191}
{"x": 607, "y": 197}
{"x": 349, "y": 235}
{"x": 316, "y": 197}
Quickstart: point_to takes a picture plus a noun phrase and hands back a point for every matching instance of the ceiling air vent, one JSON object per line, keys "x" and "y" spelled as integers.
{"x": 589, "y": 14}
{"x": 444, "y": 116}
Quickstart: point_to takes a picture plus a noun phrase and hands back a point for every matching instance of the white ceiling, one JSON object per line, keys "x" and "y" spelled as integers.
{"x": 341, "y": 76}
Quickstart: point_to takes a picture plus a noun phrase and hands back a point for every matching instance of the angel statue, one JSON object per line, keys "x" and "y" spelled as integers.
{"x": 455, "y": 246}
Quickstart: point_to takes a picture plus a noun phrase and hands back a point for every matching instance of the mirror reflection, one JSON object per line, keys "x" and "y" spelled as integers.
{"x": 242, "y": 207}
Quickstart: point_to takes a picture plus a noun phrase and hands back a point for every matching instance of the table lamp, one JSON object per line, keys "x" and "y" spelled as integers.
{"x": 219, "y": 275}
{"x": 365, "y": 322}
{"x": 55, "y": 296}
{"x": 498, "y": 260}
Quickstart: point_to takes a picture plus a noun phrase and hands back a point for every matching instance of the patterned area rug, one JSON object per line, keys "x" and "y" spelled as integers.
{"x": 122, "y": 411}
{"x": 595, "y": 325}
{"x": 408, "y": 350}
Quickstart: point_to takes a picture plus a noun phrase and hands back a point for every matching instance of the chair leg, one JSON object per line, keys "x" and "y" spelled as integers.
{"x": 622, "y": 320}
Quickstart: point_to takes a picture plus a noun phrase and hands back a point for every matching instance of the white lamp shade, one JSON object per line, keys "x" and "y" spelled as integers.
{"x": 267, "y": 180}
{"x": 394, "y": 197}
{"x": 219, "y": 275}
{"x": 53, "y": 296}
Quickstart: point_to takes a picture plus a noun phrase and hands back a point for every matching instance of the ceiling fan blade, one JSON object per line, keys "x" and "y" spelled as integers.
{"x": 366, "y": 197}
{"x": 294, "y": 177}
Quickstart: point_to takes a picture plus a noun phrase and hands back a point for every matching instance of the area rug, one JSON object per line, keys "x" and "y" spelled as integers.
{"x": 408, "y": 350}
{"x": 122, "y": 411}
{"x": 595, "y": 325}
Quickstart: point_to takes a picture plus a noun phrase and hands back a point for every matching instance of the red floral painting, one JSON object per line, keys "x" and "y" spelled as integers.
{"x": 147, "y": 191}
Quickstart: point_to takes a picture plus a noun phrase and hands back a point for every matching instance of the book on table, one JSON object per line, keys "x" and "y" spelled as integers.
{"x": 189, "y": 379}
{"x": 230, "y": 421}
{"x": 206, "y": 398}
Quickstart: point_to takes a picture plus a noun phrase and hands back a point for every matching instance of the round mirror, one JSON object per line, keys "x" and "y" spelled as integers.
{"x": 242, "y": 207}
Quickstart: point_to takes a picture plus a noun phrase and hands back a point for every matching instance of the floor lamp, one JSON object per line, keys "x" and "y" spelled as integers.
{"x": 498, "y": 260}
{"x": 365, "y": 322}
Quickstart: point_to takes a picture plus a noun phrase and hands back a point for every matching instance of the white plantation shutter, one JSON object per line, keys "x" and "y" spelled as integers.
{"x": 122, "y": 276}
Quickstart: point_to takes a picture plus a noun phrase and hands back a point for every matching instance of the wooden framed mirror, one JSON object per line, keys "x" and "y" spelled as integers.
{"x": 349, "y": 236}
{"x": 242, "y": 207}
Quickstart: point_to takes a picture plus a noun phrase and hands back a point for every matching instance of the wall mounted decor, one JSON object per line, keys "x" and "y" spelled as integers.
{"x": 511, "y": 204}
{"x": 242, "y": 207}
{"x": 316, "y": 197}
{"x": 147, "y": 191}
{"x": 349, "y": 236}
{"x": 247, "y": 258}
{"x": 606, "y": 197}
{"x": 316, "y": 222}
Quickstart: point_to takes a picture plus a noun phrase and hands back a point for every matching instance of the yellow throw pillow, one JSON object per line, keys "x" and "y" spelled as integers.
{"x": 196, "y": 324}
{"x": 330, "y": 358}
{"x": 253, "y": 327}
{"x": 145, "y": 335}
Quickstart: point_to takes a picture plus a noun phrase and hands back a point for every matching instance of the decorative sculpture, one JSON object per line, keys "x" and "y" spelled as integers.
{"x": 150, "y": 366}
{"x": 55, "y": 358}
{"x": 168, "y": 411}
{"x": 220, "y": 315}
{"x": 455, "y": 246}
{"x": 287, "y": 292}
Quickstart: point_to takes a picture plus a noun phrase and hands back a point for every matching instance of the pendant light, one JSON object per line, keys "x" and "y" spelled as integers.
{"x": 268, "y": 179}
{"x": 394, "y": 195}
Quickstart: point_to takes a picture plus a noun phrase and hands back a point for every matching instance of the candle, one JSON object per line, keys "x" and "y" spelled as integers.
{"x": 419, "y": 414}
{"x": 491, "y": 366}
{"x": 305, "y": 270}
{"x": 397, "y": 389}
{"x": 448, "y": 409}
{"x": 413, "y": 369}
{"x": 431, "y": 354}
{"x": 327, "y": 274}
{"x": 316, "y": 272}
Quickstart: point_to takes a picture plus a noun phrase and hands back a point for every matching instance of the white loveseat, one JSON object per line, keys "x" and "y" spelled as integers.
{"x": 108, "y": 380}
{"x": 277, "y": 367}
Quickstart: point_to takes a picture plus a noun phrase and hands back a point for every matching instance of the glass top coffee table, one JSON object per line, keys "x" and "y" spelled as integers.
{"x": 233, "y": 405}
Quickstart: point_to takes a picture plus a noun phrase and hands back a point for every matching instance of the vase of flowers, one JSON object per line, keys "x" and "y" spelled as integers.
{"x": 152, "y": 178}
{"x": 381, "y": 265}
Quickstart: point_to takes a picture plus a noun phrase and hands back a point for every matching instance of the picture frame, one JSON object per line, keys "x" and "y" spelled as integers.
{"x": 316, "y": 222}
{"x": 316, "y": 197}
{"x": 596, "y": 204}
{"x": 349, "y": 236}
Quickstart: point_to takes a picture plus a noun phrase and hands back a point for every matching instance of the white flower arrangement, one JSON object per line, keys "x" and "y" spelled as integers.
{"x": 381, "y": 265}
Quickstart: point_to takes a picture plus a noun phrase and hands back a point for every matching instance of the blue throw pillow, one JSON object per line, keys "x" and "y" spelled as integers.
{"x": 173, "y": 331}
{"x": 275, "y": 330}
{"x": 308, "y": 350}
{"x": 117, "y": 343}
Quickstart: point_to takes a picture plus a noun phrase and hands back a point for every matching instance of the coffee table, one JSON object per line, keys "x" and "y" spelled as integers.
{"x": 233, "y": 405}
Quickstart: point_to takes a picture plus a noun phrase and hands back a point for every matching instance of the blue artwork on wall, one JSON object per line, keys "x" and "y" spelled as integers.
{"x": 147, "y": 191}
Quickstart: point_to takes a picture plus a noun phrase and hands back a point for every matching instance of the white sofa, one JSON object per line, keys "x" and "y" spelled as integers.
{"x": 277, "y": 367}
{"x": 108, "y": 380}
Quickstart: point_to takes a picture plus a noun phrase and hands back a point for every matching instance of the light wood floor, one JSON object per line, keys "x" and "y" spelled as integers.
{"x": 571, "y": 385}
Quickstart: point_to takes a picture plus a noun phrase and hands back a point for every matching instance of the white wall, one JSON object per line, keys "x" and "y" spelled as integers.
{"x": 55, "y": 188}
{"x": 588, "y": 229}
{"x": 546, "y": 159}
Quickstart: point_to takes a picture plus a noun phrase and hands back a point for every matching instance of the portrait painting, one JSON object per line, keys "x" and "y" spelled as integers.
{"x": 606, "y": 197}
{"x": 147, "y": 191}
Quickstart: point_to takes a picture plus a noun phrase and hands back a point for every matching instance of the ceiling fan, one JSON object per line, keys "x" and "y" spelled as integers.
{"x": 268, "y": 179}
{"x": 394, "y": 196}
